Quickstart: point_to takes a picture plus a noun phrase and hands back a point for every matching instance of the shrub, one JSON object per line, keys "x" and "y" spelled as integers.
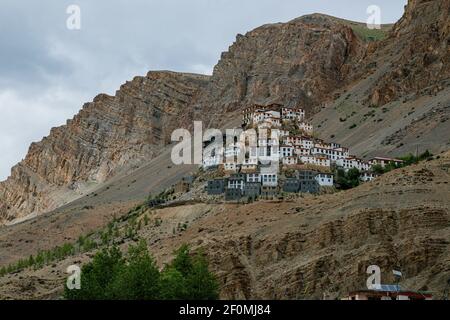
{"x": 139, "y": 278}
{"x": 378, "y": 169}
{"x": 349, "y": 179}
{"x": 98, "y": 276}
{"x": 200, "y": 283}
{"x": 173, "y": 285}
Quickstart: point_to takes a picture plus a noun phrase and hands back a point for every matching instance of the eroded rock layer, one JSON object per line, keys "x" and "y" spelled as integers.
{"x": 109, "y": 134}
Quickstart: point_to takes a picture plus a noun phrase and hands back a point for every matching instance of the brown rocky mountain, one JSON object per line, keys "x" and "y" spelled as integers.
{"x": 274, "y": 63}
{"x": 384, "y": 97}
{"x": 398, "y": 100}
{"x": 108, "y": 135}
{"x": 419, "y": 44}
{"x": 296, "y": 63}
{"x": 309, "y": 61}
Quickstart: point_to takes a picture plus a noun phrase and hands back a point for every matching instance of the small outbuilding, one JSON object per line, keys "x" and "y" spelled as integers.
{"x": 216, "y": 186}
{"x": 252, "y": 190}
{"x": 233, "y": 194}
{"x": 291, "y": 185}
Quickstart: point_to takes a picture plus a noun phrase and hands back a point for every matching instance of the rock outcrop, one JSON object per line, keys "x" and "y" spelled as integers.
{"x": 110, "y": 134}
{"x": 418, "y": 51}
{"x": 299, "y": 63}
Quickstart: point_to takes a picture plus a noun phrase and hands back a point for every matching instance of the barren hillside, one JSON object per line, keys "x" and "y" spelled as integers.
{"x": 288, "y": 250}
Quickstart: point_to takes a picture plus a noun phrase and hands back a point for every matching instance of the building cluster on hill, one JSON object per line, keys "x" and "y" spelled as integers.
{"x": 286, "y": 158}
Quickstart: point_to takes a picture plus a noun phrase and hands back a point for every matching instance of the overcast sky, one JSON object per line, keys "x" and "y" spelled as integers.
{"x": 48, "y": 71}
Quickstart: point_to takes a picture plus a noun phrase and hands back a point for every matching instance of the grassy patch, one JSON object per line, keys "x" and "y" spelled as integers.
{"x": 367, "y": 34}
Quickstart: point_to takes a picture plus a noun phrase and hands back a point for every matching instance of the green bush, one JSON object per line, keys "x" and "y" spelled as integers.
{"x": 200, "y": 283}
{"x": 349, "y": 179}
{"x": 97, "y": 281}
{"x": 407, "y": 161}
{"x": 139, "y": 278}
{"x": 172, "y": 285}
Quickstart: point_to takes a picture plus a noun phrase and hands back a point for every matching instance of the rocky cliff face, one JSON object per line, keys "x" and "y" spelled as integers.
{"x": 296, "y": 63}
{"x": 418, "y": 50}
{"x": 109, "y": 134}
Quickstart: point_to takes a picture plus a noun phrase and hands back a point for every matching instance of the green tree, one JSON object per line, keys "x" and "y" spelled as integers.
{"x": 378, "y": 169}
{"x": 349, "y": 179}
{"x": 136, "y": 277}
{"x": 200, "y": 283}
{"x": 139, "y": 278}
{"x": 173, "y": 285}
{"x": 31, "y": 261}
{"x": 40, "y": 260}
{"x": 98, "y": 276}
{"x": 353, "y": 177}
{"x": 425, "y": 156}
{"x": 183, "y": 261}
